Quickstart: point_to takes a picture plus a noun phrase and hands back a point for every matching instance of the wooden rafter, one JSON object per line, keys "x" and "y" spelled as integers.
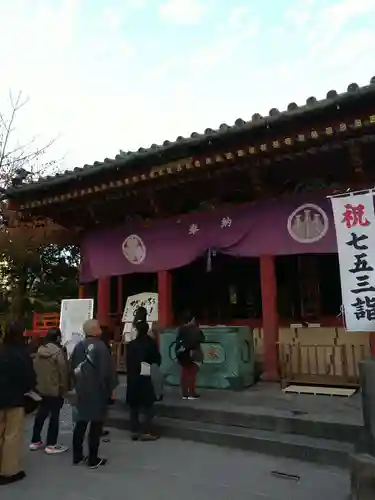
{"x": 294, "y": 144}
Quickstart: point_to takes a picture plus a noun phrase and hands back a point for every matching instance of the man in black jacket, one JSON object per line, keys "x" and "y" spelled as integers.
{"x": 17, "y": 377}
{"x": 106, "y": 337}
{"x": 141, "y": 354}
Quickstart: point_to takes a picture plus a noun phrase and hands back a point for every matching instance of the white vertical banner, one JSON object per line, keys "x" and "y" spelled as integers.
{"x": 73, "y": 313}
{"x": 355, "y": 232}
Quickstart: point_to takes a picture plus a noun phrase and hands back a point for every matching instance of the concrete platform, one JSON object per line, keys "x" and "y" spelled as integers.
{"x": 263, "y": 419}
{"x": 263, "y": 397}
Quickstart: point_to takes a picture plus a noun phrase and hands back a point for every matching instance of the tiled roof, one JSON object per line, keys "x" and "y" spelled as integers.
{"x": 172, "y": 148}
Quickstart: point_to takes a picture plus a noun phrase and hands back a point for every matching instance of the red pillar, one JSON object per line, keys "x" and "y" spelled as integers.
{"x": 372, "y": 343}
{"x": 13, "y": 205}
{"x": 103, "y": 301}
{"x": 270, "y": 317}
{"x": 165, "y": 299}
{"x": 120, "y": 295}
{"x": 81, "y": 292}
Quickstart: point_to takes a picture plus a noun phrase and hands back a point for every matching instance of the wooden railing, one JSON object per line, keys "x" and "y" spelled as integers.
{"x": 42, "y": 322}
{"x": 321, "y": 364}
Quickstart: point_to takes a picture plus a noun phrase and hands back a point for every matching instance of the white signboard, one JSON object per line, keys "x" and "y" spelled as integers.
{"x": 355, "y": 231}
{"x": 74, "y": 312}
{"x": 146, "y": 299}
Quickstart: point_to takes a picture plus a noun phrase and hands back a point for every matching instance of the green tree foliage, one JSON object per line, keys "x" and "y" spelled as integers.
{"x": 56, "y": 277}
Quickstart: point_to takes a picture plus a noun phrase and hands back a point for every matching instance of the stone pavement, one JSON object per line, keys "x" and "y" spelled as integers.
{"x": 170, "y": 469}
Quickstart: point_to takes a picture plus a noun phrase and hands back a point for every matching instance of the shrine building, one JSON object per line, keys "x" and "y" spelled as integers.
{"x": 233, "y": 224}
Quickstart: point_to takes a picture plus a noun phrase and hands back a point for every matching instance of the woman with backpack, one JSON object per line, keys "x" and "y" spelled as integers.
{"x": 52, "y": 371}
{"x": 189, "y": 354}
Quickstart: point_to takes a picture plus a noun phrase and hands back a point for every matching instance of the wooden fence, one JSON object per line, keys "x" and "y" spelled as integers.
{"x": 321, "y": 364}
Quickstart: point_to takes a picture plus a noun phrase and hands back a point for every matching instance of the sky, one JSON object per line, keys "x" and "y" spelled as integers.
{"x": 111, "y": 75}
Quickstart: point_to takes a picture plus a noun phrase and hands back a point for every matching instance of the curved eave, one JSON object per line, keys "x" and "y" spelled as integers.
{"x": 172, "y": 151}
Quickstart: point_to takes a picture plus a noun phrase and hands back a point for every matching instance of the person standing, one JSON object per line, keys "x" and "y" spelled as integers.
{"x": 51, "y": 367}
{"x": 141, "y": 354}
{"x": 17, "y": 377}
{"x": 140, "y": 315}
{"x": 94, "y": 380}
{"x": 107, "y": 337}
{"x": 189, "y": 355}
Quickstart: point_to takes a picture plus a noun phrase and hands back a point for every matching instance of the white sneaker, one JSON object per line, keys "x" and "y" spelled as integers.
{"x": 55, "y": 450}
{"x": 36, "y": 446}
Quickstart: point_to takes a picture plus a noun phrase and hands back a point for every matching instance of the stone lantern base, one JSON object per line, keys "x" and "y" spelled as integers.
{"x": 362, "y": 477}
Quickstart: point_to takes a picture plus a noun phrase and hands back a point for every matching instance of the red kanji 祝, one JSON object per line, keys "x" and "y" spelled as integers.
{"x": 354, "y": 215}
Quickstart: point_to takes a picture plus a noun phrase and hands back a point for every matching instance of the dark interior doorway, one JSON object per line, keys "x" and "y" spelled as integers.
{"x": 218, "y": 290}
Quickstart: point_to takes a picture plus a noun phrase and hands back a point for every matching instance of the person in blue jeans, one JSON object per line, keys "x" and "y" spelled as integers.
{"x": 51, "y": 367}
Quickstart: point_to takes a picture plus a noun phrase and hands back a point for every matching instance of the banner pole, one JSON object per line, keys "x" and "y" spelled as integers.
{"x": 352, "y": 193}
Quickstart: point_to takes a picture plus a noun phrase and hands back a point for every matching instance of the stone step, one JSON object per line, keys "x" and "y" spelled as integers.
{"x": 318, "y": 450}
{"x": 295, "y": 423}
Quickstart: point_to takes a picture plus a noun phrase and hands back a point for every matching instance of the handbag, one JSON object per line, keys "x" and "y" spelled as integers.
{"x": 31, "y": 401}
{"x": 197, "y": 355}
{"x": 157, "y": 380}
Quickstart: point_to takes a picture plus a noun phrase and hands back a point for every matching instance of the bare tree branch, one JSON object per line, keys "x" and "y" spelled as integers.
{"x": 21, "y": 241}
{"x": 8, "y": 131}
{"x": 19, "y": 155}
